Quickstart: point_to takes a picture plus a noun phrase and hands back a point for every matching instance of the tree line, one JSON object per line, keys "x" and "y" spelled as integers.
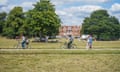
{"x": 102, "y": 26}
{"x": 43, "y": 21}
{"x": 39, "y": 21}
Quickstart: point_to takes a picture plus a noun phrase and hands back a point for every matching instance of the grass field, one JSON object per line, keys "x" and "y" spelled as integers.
{"x": 9, "y": 43}
{"x": 49, "y": 57}
{"x": 60, "y": 63}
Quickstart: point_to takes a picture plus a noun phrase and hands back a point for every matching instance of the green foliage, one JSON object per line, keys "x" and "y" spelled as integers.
{"x": 14, "y": 22}
{"x": 2, "y": 20}
{"x": 102, "y": 25}
{"x": 40, "y": 21}
{"x": 43, "y": 19}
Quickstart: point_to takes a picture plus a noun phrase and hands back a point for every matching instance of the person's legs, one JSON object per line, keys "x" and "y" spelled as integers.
{"x": 90, "y": 45}
{"x": 69, "y": 44}
{"x": 27, "y": 44}
{"x": 23, "y": 44}
{"x": 87, "y": 46}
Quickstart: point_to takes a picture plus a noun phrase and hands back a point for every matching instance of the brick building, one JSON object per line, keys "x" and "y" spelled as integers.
{"x": 69, "y": 30}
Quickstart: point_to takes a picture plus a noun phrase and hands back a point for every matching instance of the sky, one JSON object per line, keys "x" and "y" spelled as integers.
{"x": 71, "y": 12}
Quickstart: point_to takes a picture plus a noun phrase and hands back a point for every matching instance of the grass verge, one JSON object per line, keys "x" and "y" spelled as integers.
{"x": 57, "y": 51}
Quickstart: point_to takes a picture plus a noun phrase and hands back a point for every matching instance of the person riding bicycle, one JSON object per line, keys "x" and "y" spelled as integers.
{"x": 23, "y": 41}
{"x": 70, "y": 41}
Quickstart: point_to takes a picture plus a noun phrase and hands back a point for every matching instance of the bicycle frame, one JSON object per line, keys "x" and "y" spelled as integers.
{"x": 65, "y": 46}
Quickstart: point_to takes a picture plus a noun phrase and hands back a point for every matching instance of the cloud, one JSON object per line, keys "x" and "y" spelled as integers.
{"x": 3, "y": 3}
{"x": 115, "y": 10}
{"x": 115, "y": 7}
{"x": 85, "y": 8}
{"x": 94, "y": 1}
{"x": 78, "y": 9}
{"x": 75, "y": 15}
{"x": 27, "y": 5}
{"x": 60, "y": 2}
{"x": 8, "y": 8}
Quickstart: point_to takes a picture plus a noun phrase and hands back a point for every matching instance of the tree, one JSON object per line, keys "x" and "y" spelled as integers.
{"x": 43, "y": 19}
{"x": 2, "y": 20}
{"x": 102, "y": 25}
{"x": 14, "y": 23}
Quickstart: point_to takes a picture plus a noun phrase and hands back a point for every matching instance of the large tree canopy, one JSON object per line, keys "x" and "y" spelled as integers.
{"x": 102, "y": 25}
{"x": 40, "y": 21}
{"x": 43, "y": 19}
{"x": 14, "y": 22}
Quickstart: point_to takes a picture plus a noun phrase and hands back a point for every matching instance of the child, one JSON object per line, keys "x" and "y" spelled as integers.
{"x": 89, "y": 42}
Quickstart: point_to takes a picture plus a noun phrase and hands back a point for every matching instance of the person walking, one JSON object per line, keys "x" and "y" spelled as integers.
{"x": 89, "y": 42}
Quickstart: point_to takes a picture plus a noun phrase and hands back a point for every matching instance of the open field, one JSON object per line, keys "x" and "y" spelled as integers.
{"x": 9, "y": 43}
{"x": 49, "y": 57}
{"x": 60, "y": 62}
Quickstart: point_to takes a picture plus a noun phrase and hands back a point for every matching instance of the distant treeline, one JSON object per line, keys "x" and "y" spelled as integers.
{"x": 39, "y": 21}
{"x": 102, "y": 26}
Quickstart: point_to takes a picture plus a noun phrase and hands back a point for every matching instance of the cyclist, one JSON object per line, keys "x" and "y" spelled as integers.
{"x": 70, "y": 41}
{"x": 23, "y": 41}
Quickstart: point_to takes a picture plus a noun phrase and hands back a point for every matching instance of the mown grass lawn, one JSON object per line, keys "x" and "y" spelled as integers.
{"x": 49, "y": 57}
{"x": 59, "y": 62}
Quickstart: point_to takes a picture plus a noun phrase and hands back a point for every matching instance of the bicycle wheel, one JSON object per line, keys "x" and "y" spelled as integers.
{"x": 17, "y": 46}
{"x": 74, "y": 46}
{"x": 63, "y": 47}
{"x": 28, "y": 46}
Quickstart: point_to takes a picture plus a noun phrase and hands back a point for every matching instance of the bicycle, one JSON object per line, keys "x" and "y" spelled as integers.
{"x": 18, "y": 45}
{"x": 28, "y": 44}
{"x": 65, "y": 46}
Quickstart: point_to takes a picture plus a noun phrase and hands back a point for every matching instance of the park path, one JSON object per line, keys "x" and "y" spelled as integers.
{"x": 13, "y": 49}
{"x": 59, "y": 51}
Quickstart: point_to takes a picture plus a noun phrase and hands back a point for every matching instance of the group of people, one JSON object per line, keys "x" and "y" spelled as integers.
{"x": 25, "y": 41}
{"x": 88, "y": 45}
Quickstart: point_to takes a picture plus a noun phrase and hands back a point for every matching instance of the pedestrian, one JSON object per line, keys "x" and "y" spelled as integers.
{"x": 89, "y": 42}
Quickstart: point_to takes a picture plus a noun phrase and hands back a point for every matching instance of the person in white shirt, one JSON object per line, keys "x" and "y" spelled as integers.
{"x": 23, "y": 42}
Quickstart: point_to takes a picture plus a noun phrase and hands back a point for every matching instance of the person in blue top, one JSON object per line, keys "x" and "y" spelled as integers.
{"x": 89, "y": 42}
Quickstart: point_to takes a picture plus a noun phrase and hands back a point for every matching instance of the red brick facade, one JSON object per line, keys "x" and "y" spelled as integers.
{"x": 69, "y": 30}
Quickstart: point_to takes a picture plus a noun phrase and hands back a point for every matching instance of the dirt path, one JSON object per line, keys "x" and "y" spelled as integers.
{"x": 12, "y": 49}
